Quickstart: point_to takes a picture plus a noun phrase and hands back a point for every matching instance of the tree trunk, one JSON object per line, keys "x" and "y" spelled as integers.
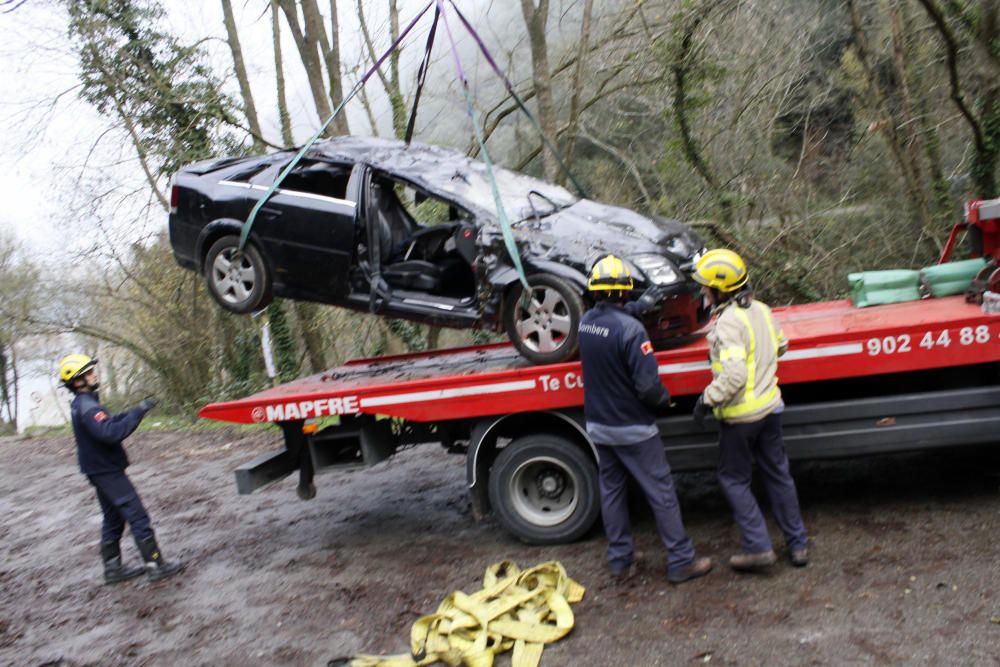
{"x": 279, "y": 69}
{"x": 308, "y": 47}
{"x": 390, "y": 82}
{"x": 574, "y": 101}
{"x": 249, "y": 108}
{"x": 535, "y": 18}
{"x": 330, "y": 52}
{"x": 984, "y": 125}
{"x": 682, "y": 67}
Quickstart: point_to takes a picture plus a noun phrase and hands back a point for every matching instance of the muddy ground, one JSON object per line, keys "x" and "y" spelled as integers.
{"x": 906, "y": 565}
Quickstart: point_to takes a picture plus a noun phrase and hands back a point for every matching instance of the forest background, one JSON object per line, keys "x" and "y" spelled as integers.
{"x": 815, "y": 137}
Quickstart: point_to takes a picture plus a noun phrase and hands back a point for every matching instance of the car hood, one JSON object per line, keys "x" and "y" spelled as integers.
{"x": 582, "y": 232}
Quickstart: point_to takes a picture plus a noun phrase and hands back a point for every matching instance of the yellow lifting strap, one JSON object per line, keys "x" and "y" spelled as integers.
{"x": 519, "y": 610}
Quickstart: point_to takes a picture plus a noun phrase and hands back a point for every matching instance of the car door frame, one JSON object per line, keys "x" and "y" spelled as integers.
{"x": 326, "y": 256}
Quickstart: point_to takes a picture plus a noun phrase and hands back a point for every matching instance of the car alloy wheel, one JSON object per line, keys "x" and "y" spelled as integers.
{"x": 237, "y": 279}
{"x": 545, "y": 328}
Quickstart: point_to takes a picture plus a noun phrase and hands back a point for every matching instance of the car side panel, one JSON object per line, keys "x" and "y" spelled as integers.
{"x": 308, "y": 238}
{"x": 312, "y": 241}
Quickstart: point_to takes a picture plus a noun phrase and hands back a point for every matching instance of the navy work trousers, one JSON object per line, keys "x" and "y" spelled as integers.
{"x": 761, "y": 441}
{"x": 120, "y": 503}
{"x": 647, "y": 464}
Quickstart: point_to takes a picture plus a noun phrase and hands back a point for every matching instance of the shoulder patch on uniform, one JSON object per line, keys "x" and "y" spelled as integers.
{"x": 646, "y": 347}
{"x": 100, "y": 416}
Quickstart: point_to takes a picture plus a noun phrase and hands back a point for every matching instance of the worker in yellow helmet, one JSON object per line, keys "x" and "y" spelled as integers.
{"x": 744, "y": 345}
{"x": 621, "y": 393}
{"x": 102, "y": 458}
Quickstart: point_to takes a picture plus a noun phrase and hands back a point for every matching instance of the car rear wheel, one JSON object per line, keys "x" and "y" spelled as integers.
{"x": 545, "y": 329}
{"x": 237, "y": 279}
{"x": 544, "y": 490}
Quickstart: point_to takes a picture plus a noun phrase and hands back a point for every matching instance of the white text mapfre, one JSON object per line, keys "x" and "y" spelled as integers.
{"x": 324, "y": 407}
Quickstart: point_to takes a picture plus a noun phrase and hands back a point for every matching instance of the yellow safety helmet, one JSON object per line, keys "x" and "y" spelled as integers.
{"x": 74, "y": 366}
{"x": 609, "y": 274}
{"x": 721, "y": 269}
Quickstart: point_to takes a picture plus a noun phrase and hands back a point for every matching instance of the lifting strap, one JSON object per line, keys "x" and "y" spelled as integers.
{"x": 422, "y": 76}
{"x": 519, "y": 610}
{"x": 505, "y": 228}
{"x": 517, "y": 99}
{"x": 245, "y": 233}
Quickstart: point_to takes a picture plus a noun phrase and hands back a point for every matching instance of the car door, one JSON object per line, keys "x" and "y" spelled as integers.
{"x": 308, "y": 229}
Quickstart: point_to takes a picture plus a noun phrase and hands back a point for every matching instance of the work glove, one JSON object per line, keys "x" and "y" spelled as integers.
{"x": 147, "y": 405}
{"x": 699, "y": 412}
{"x": 649, "y": 299}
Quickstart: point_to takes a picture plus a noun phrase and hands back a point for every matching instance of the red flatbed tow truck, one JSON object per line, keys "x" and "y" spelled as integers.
{"x": 855, "y": 381}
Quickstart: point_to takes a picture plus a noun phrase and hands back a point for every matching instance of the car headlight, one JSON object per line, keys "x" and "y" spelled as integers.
{"x": 657, "y": 268}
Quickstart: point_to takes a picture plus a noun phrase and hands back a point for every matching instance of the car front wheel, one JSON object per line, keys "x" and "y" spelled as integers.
{"x": 237, "y": 279}
{"x": 545, "y": 327}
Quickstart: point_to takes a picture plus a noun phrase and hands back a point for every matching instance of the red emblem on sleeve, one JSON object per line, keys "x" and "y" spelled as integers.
{"x": 100, "y": 416}
{"x": 647, "y": 347}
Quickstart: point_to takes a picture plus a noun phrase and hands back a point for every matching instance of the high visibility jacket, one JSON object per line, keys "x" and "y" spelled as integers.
{"x": 744, "y": 346}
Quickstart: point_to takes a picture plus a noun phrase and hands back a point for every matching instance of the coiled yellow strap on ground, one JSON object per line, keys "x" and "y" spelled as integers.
{"x": 519, "y": 610}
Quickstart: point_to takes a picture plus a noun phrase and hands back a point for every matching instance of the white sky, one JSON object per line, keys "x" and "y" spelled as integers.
{"x": 49, "y": 135}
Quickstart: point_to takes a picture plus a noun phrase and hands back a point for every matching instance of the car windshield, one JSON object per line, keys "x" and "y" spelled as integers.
{"x": 519, "y": 192}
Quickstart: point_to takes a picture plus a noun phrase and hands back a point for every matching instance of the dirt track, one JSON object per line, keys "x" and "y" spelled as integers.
{"x": 906, "y": 565}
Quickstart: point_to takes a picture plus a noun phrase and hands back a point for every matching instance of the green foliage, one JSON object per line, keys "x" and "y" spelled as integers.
{"x": 162, "y": 90}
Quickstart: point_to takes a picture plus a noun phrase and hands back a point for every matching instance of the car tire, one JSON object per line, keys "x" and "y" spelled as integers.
{"x": 238, "y": 280}
{"x": 544, "y": 490}
{"x": 547, "y": 330}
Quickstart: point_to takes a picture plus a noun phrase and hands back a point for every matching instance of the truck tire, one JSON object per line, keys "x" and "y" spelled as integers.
{"x": 238, "y": 280}
{"x": 546, "y": 330}
{"x": 543, "y": 489}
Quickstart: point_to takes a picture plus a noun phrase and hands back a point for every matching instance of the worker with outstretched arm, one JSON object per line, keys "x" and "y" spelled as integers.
{"x": 102, "y": 458}
{"x": 622, "y": 392}
{"x": 744, "y": 345}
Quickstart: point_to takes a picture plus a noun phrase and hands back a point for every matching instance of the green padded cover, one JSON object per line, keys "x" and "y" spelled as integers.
{"x": 951, "y": 278}
{"x": 873, "y": 288}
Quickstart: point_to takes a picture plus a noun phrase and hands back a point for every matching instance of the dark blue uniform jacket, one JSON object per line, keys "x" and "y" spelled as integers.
{"x": 621, "y": 383}
{"x": 99, "y": 434}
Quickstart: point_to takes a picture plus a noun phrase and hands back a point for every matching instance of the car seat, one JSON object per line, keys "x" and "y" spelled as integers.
{"x": 395, "y": 234}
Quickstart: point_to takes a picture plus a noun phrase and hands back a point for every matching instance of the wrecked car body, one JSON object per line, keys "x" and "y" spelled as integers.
{"x": 412, "y": 231}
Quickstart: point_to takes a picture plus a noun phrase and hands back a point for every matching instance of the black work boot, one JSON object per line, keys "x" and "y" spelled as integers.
{"x": 156, "y": 567}
{"x": 114, "y": 571}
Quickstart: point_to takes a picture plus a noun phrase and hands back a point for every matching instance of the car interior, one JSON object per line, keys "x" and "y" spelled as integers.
{"x": 422, "y": 243}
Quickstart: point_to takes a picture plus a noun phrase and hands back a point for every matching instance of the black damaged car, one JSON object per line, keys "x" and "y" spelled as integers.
{"x": 411, "y": 231}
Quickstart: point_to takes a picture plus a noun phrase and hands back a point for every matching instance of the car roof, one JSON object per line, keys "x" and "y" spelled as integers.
{"x": 433, "y": 168}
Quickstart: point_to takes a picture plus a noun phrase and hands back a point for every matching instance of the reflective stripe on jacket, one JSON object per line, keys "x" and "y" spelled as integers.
{"x": 744, "y": 346}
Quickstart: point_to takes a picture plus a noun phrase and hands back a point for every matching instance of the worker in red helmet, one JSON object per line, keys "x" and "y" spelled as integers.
{"x": 102, "y": 458}
{"x": 622, "y": 392}
{"x": 744, "y": 345}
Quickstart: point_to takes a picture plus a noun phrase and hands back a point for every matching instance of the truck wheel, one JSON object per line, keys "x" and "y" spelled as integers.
{"x": 544, "y": 490}
{"x": 544, "y": 330}
{"x": 237, "y": 279}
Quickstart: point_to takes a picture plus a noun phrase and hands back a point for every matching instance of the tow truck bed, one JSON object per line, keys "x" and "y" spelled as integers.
{"x": 828, "y": 341}
{"x": 855, "y": 381}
